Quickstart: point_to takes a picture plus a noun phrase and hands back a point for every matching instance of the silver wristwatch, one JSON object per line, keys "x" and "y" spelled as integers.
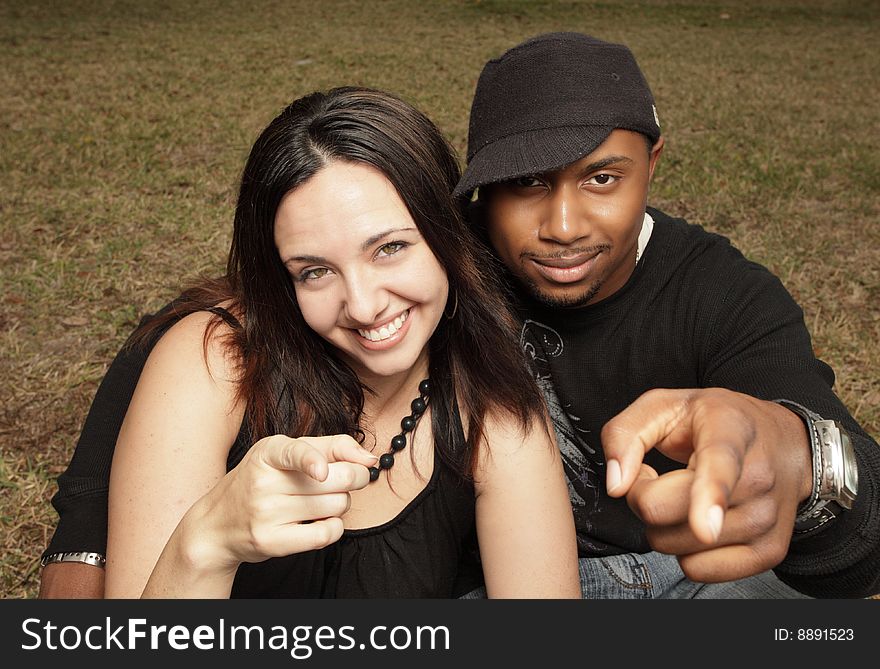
{"x": 835, "y": 471}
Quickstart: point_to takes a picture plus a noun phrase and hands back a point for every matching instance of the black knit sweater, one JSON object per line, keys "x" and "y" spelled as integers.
{"x": 695, "y": 314}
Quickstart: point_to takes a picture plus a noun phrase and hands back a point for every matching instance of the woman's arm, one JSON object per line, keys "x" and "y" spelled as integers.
{"x": 525, "y": 524}
{"x": 286, "y": 496}
{"x": 171, "y": 450}
{"x": 179, "y": 524}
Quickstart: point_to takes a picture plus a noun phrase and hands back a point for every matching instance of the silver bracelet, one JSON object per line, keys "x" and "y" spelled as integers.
{"x": 95, "y": 559}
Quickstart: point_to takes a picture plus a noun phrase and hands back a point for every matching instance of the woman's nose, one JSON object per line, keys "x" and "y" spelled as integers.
{"x": 366, "y": 299}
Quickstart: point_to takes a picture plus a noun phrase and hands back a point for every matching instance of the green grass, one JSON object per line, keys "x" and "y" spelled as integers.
{"x": 124, "y": 125}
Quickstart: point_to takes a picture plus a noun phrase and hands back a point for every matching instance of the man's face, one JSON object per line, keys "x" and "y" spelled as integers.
{"x": 571, "y": 235}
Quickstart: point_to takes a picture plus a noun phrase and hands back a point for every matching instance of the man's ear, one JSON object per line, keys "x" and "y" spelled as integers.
{"x": 656, "y": 150}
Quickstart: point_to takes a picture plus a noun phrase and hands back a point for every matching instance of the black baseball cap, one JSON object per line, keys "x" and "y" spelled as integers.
{"x": 550, "y": 101}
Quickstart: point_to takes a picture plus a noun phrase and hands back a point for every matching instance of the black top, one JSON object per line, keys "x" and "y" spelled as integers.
{"x": 416, "y": 554}
{"x": 427, "y": 550}
{"x": 694, "y": 314}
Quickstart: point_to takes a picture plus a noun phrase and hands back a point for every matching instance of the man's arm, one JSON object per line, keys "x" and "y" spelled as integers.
{"x": 765, "y": 350}
{"x": 730, "y": 513}
{"x": 71, "y": 580}
{"x": 757, "y": 469}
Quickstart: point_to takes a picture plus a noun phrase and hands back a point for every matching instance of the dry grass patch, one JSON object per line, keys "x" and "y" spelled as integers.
{"x": 123, "y": 127}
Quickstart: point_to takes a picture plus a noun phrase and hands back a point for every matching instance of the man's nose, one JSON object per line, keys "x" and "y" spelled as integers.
{"x": 564, "y": 220}
{"x": 366, "y": 298}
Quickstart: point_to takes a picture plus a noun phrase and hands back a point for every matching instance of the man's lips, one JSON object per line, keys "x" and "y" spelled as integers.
{"x": 567, "y": 269}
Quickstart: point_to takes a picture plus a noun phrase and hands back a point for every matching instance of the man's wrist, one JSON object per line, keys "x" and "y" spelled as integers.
{"x": 798, "y": 441}
{"x": 834, "y": 471}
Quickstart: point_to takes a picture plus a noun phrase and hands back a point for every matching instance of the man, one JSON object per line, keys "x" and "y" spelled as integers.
{"x": 652, "y": 339}
{"x": 564, "y": 139}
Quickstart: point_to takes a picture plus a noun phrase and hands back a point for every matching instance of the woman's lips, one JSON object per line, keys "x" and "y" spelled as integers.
{"x": 386, "y": 335}
{"x": 565, "y": 270}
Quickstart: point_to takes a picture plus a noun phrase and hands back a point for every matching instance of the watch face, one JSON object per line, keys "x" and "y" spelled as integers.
{"x": 850, "y": 468}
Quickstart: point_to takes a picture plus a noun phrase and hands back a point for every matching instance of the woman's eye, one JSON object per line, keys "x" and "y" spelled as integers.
{"x": 313, "y": 273}
{"x": 390, "y": 248}
{"x": 602, "y": 179}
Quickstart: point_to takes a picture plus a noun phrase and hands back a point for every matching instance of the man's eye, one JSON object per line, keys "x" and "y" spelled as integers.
{"x": 602, "y": 179}
{"x": 525, "y": 182}
{"x": 313, "y": 273}
{"x": 390, "y": 248}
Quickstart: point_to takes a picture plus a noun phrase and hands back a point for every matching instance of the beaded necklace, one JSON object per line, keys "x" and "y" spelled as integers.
{"x": 407, "y": 425}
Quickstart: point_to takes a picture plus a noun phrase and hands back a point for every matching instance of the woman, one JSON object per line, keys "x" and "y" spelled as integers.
{"x": 356, "y": 310}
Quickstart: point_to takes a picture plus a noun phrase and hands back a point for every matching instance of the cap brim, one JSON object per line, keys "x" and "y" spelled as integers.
{"x": 530, "y": 152}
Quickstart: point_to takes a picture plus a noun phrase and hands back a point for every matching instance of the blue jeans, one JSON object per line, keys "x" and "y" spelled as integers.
{"x": 658, "y": 576}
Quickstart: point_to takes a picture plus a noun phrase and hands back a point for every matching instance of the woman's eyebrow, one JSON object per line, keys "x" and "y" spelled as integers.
{"x": 305, "y": 259}
{"x": 365, "y": 246}
{"x": 381, "y": 235}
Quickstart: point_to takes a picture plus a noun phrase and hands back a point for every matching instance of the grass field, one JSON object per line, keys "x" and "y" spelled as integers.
{"x": 124, "y": 125}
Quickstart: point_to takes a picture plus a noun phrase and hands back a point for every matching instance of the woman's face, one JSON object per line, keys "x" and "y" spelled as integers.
{"x": 365, "y": 279}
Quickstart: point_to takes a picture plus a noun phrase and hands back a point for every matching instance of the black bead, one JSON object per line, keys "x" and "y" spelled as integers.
{"x": 386, "y": 461}
{"x": 374, "y": 474}
{"x": 408, "y": 424}
{"x": 398, "y": 443}
{"x": 418, "y": 406}
{"x": 424, "y": 387}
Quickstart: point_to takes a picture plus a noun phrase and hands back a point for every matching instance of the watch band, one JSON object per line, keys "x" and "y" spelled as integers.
{"x": 817, "y": 509}
{"x": 85, "y": 557}
{"x": 813, "y": 503}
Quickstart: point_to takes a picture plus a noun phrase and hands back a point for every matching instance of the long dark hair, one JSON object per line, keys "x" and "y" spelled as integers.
{"x": 293, "y": 381}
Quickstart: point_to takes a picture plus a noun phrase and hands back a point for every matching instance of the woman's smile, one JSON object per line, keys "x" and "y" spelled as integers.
{"x": 384, "y": 336}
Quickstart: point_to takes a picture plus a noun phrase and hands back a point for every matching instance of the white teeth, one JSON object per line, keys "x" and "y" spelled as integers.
{"x": 385, "y": 331}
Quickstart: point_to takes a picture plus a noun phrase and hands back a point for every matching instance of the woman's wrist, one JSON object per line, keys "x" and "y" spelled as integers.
{"x": 200, "y": 547}
{"x": 192, "y": 565}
